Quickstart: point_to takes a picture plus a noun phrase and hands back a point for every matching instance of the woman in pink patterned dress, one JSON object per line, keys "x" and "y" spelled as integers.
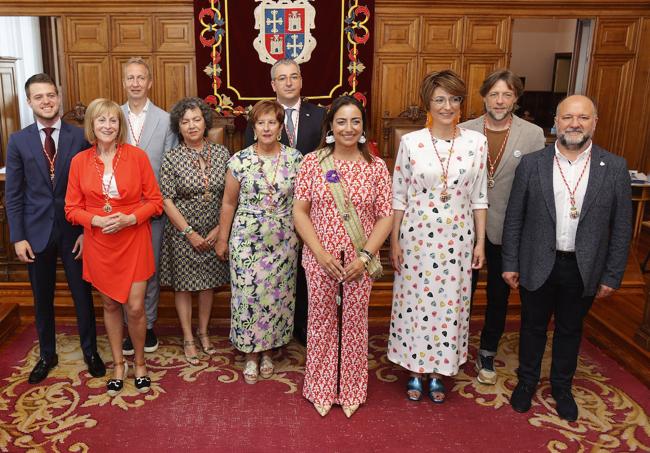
{"x": 365, "y": 181}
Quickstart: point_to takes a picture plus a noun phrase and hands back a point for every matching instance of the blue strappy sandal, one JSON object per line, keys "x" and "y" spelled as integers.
{"x": 437, "y": 387}
{"x": 414, "y": 384}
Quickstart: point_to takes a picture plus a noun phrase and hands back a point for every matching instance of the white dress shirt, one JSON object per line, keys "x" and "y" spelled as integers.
{"x": 136, "y": 123}
{"x": 566, "y": 227}
{"x": 55, "y": 133}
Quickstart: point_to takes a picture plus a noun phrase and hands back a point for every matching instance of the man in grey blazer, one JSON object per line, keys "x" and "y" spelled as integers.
{"x": 148, "y": 129}
{"x": 566, "y": 239}
{"x": 509, "y": 138}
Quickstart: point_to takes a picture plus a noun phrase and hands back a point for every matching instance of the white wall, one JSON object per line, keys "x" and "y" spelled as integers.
{"x": 534, "y": 45}
{"x": 21, "y": 38}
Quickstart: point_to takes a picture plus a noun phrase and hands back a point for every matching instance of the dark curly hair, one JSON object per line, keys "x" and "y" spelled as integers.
{"x": 182, "y": 106}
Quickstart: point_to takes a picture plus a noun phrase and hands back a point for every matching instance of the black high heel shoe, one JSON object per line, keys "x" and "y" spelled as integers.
{"x": 115, "y": 386}
{"x": 142, "y": 383}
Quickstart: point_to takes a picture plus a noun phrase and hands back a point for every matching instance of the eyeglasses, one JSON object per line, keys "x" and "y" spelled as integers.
{"x": 439, "y": 101}
{"x": 284, "y": 79}
{"x": 508, "y": 96}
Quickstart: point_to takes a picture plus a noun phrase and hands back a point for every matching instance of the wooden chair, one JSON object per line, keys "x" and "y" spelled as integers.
{"x": 222, "y": 131}
{"x": 393, "y": 128}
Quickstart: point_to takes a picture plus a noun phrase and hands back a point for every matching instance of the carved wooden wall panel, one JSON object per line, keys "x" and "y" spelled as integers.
{"x": 441, "y": 34}
{"x": 179, "y": 79}
{"x": 616, "y": 36}
{"x": 174, "y": 34}
{"x": 9, "y": 110}
{"x": 429, "y": 64}
{"x": 90, "y": 78}
{"x": 609, "y": 84}
{"x": 87, "y": 34}
{"x": 131, "y": 35}
{"x": 397, "y": 34}
{"x": 485, "y": 34}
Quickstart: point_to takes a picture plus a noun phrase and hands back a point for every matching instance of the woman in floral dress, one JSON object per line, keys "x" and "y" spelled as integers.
{"x": 366, "y": 183}
{"x": 262, "y": 243}
{"x": 440, "y": 203}
{"x": 192, "y": 183}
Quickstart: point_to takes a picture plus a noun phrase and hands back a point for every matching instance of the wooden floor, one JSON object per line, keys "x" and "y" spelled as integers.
{"x": 611, "y": 324}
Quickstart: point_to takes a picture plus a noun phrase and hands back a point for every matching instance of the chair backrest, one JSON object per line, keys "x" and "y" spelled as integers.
{"x": 222, "y": 131}
{"x": 394, "y": 128}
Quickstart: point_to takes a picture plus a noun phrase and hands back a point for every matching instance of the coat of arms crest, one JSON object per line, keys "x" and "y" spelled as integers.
{"x": 285, "y": 30}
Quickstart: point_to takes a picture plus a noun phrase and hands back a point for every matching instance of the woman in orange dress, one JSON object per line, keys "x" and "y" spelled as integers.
{"x": 112, "y": 192}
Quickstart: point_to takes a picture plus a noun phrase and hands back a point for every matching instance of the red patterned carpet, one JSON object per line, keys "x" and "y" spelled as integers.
{"x": 209, "y": 408}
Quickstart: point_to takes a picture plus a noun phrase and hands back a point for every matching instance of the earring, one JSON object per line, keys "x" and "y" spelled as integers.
{"x": 279, "y": 136}
{"x": 254, "y": 136}
{"x": 362, "y": 139}
{"x": 329, "y": 137}
{"x": 429, "y": 122}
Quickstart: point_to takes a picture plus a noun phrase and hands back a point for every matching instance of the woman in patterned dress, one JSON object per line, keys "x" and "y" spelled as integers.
{"x": 440, "y": 203}
{"x": 258, "y": 235}
{"x": 366, "y": 184}
{"x": 192, "y": 184}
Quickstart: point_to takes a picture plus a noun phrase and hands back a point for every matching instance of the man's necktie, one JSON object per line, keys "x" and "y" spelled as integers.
{"x": 50, "y": 147}
{"x": 290, "y": 127}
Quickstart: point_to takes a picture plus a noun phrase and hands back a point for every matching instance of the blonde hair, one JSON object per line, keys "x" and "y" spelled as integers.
{"x": 97, "y": 108}
{"x": 140, "y": 61}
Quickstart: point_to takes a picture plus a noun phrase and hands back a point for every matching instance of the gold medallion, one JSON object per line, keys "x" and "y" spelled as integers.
{"x": 107, "y": 207}
{"x": 445, "y": 197}
{"x": 490, "y": 183}
{"x": 573, "y": 213}
{"x": 207, "y": 196}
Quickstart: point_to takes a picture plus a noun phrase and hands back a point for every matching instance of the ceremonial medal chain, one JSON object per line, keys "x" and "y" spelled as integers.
{"x": 51, "y": 162}
{"x": 444, "y": 196}
{"x": 137, "y": 140}
{"x": 573, "y": 211}
{"x": 492, "y": 165}
{"x": 106, "y": 188}
{"x": 205, "y": 176}
{"x": 269, "y": 184}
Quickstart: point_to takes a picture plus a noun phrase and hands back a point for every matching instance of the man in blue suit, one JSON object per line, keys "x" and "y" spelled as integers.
{"x": 38, "y": 161}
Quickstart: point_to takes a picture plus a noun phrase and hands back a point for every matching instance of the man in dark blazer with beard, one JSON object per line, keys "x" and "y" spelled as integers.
{"x": 566, "y": 239}
{"x": 302, "y": 130}
{"x": 38, "y": 161}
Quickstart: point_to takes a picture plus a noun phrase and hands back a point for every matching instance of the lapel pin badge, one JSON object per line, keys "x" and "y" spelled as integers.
{"x": 602, "y": 164}
{"x": 307, "y": 114}
{"x": 517, "y": 153}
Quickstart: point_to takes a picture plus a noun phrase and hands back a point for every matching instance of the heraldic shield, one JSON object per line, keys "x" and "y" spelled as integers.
{"x": 285, "y": 30}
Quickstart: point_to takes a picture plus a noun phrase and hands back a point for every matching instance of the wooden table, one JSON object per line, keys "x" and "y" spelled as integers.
{"x": 640, "y": 194}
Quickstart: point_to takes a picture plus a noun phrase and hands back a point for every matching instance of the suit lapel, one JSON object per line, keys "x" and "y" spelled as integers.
{"x": 304, "y": 125}
{"x": 63, "y": 153}
{"x": 513, "y": 138}
{"x": 36, "y": 147}
{"x": 150, "y": 124}
{"x": 545, "y": 168}
{"x": 596, "y": 176}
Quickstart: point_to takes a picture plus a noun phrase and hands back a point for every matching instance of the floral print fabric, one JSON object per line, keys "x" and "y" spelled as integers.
{"x": 263, "y": 250}
{"x": 431, "y": 295}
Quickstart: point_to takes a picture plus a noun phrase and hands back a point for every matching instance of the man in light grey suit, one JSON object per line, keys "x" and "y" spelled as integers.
{"x": 148, "y": 129}
{"x": 509, "y": 138}
{"x": 566, "y": 239}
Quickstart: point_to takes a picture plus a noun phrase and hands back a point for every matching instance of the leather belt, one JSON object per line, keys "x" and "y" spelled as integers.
{"x": 565, "y": 255}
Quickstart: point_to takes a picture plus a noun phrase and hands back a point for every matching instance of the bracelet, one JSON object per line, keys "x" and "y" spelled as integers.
{"x": 365, "y": 252}
{"x": 188, "y": 230}
{"x": 364, "y": 259}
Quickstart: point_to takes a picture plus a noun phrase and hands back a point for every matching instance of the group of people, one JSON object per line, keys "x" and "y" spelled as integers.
{"x": 141, "y": 198}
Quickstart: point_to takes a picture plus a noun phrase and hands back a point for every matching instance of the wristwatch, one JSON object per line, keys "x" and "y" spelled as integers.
{"x": 188, "y": 230}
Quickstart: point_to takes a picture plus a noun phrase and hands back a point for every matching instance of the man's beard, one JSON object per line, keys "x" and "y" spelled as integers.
{"x": 574, "y": 143}
{"x": 499, "y": 117}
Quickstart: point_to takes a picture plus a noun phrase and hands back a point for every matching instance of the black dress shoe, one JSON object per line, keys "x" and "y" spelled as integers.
{"x": 150, "y": 341}
{"x": 127, "y": 346}
{"x": 96, "y": 366}
{"x": 565, "y": 405}
{"x": 42, "y": 368}
{"x": 521, "y": 397}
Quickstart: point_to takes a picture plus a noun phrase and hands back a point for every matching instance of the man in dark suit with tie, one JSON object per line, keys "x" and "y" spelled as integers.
{"x": 566, "y": 239}
{"x": 302, "y": 130}
{"x": 38, "y": 160}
